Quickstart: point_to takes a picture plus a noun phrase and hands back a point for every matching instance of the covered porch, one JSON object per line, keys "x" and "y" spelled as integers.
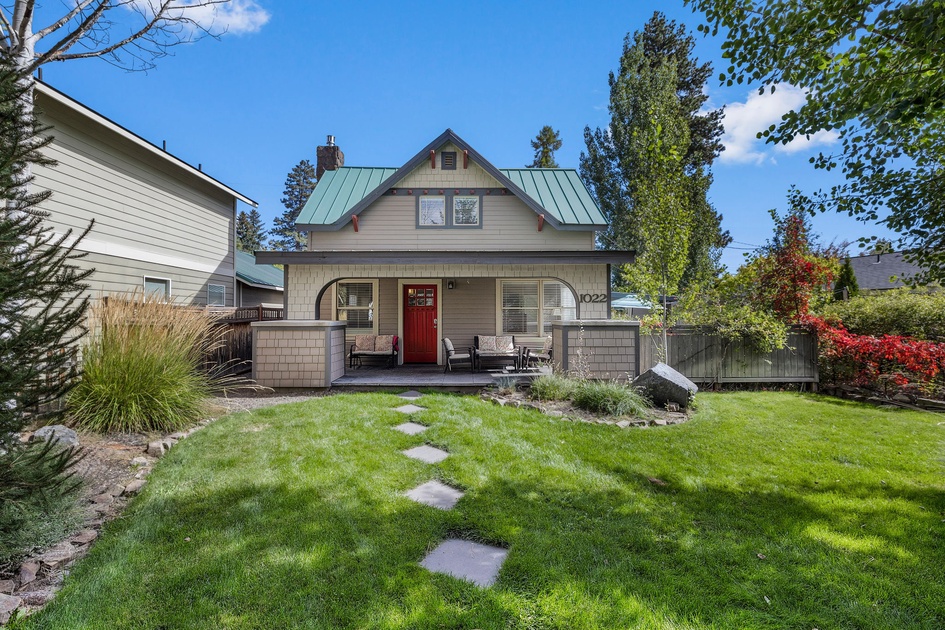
{"x": 432, "y": 376}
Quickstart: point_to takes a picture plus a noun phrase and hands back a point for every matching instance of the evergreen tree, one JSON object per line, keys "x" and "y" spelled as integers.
{"x": 545, "y": 144}
{"x": 42, "y": 315}
{"x": 299, "y": 185}
{"x": 609, "y": 167}
{"x": 250, "y": 231}
{"x": 846, "y": 279}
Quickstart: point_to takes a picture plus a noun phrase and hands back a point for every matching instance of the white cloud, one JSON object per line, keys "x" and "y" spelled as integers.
{"x": 235, "y": 16}
{"x": 743, "y": 121}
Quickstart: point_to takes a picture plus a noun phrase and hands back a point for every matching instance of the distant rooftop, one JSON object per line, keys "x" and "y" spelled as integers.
{"x": 882, "y": 271}
{"x": 262, "y": 276}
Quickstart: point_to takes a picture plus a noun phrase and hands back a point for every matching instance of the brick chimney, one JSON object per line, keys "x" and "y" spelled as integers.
{"x": 329, "y": 158}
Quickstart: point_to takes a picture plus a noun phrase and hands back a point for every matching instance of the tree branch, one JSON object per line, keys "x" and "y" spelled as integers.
{"x": 80, "y": 6}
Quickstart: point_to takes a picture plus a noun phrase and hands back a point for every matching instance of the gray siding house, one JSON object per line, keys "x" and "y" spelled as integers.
{"x": 161, "y": 225}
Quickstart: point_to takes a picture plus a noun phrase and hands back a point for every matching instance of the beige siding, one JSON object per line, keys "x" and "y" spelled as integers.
{"x": 469, "y": 310}
{"x": 390, "y": 223}
{"x": 149, "y": 215}
{"x": 425, "y": 177}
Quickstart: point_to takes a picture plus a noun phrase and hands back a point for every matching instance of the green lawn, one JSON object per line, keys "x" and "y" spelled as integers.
{"x": 781, "y": 511}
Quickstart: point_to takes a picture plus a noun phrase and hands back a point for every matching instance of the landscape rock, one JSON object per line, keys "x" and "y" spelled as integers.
{"x": 135, "y": 486}
{"x": 85, "y": 536}
{"x": 115, "y": 490}
{"x": 8, "y": 604}
{"x": 40, "y": 597}
{"x": 623, "y": 424}
{"x": 157, "y": 449}
{"x": 662, "y": 384}
{"x": 65, "y": 435}
{"x": 7, "y": 586}
{"x": 141, "y": 461}
{"x": 58, "y": 555}
{"x": 103, "y": 499}
{"x": 28, "y": 571}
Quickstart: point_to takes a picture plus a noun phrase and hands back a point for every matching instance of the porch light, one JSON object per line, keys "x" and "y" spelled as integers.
{"x": 450, "y": 284}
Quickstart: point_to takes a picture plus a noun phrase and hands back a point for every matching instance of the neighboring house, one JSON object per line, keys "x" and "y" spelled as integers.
{"x": 257, "y": 284}
{"x": 629, "y": 305}
{"x": 877, "y": 272}
{"x": 447, "y": 246}
{"x": 161, "y": 225}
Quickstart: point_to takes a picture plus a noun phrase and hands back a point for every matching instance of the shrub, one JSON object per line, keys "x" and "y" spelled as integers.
{"x": 899, "y": 313}
{"x": 553, "y": 387}
{"x": 611, "y": 398}
{"x": 142, "y": 368}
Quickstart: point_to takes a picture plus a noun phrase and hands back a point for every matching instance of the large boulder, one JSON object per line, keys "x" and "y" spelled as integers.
{"x": 662, "y": 384}
{"x": 64, "y": 435}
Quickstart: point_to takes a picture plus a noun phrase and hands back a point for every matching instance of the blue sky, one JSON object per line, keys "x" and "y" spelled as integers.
{"x": 387, "y": 78}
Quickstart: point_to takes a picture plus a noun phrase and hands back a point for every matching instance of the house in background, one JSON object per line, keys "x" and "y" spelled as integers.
{"x": 879, "y": 272}
{"x": 161, "y": 225}
{"x": 446, "y": 246}
{"x": 257, "y": 285}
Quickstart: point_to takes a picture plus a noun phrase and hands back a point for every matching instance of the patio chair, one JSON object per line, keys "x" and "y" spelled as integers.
{"x": 451, "y": 356}
{"x": 535, "y": 359}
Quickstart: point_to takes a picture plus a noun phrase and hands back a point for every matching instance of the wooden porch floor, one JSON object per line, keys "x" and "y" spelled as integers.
{"x": 428, "y": 376}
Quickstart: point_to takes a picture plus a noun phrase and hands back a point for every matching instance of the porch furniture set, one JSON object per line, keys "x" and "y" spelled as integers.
{"x": 489, "y": 350}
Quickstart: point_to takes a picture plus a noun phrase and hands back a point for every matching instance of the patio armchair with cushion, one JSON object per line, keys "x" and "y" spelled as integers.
{"x": 453, "y": 357}
{"x": 533, "y": 358}
{"x": 373, "y": 346}
{"x": 496, "y": 349}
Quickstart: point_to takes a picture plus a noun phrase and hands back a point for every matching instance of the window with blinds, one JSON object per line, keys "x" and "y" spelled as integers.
{"x": 216, "y": 295}
{"x": 530, "y": 307}
{"x": 355, "y": 305}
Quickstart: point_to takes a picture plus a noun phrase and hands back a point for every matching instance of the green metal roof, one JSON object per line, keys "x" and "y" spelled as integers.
{"x": 340, "y": 190}
{"x": 248, "y": 271}
{"x": 560, "y": 191}
{"x": 557, "y": 193}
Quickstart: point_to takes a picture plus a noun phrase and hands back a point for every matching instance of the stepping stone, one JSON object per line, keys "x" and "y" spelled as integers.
{"x": 436, "y": 494}
{"x": 409, "y": 409}
{"x": 427, "y": 454}
{"x": 411, "y": 395}
{"x": 411, "y": 428}
{"x": 467, "y": 560}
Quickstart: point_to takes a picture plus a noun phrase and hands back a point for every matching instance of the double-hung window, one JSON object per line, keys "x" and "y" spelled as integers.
{"x": 355, "y": 305}
{"x": 449, "y": 211}
{"x": 530, "y": 307}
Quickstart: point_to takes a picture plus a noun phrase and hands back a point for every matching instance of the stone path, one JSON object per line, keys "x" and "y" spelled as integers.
{"x": 462, "y": 559}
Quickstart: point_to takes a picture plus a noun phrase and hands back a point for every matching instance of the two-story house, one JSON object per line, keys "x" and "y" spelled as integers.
{"x": 161, "y": 225}
{"x": 447, "y": 245}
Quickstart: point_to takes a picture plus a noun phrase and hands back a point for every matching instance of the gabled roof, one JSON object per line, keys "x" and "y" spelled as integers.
{"x": 558, "y": 194}
{"x": 261, "y": 276}
{"x": 873, "y": 271}
{"x": 47, "y": 91}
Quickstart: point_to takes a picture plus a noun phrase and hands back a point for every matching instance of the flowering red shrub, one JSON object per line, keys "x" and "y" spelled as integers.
{"x": 872, "y": 362}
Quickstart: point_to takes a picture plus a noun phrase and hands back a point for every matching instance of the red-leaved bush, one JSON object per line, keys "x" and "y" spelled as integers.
{"x": 877, "y": 362}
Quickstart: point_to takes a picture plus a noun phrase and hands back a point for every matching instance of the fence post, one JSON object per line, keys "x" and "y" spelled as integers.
{"x": 260, "y": 317}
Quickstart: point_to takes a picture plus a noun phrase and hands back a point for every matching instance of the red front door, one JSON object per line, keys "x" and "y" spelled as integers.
{"x": 420, "y": 323}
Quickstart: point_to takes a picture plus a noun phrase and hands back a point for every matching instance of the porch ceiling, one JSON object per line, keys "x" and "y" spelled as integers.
{"x": 465, "y": 257}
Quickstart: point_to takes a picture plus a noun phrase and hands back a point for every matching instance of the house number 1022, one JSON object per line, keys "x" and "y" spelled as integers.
{"x": 593, "y": 298}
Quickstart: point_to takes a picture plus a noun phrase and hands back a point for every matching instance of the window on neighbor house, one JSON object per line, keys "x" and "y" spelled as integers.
{"x": 216, "y": 295}
{"x": 157, "y": 287}
{"x": 530, "y": 307}
{"x": 354, "y": 304}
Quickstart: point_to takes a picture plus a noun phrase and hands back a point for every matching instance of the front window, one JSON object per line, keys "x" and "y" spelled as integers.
{"x": 530, "y": 307}
{"x": 466, "y": 211}
{"x": 432, "y": 211}
{"x": 355, "y": 305}
{"x": 159, "y": 288}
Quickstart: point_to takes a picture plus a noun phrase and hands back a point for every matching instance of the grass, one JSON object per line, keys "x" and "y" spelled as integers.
{"x": 778, "y": 511}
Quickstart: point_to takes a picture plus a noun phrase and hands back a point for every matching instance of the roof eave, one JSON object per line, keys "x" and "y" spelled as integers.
{"x": 441, "y": 257}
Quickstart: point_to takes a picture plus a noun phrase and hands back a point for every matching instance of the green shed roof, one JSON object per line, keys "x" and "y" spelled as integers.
{"x": 557, "y": 193}
{"x": 264, "y": 275}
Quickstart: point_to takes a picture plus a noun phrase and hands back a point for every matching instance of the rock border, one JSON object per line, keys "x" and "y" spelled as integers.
{"x": 569, "y": 413}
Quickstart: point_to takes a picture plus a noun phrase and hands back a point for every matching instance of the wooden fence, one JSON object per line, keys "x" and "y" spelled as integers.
{"x": 234, "y": 353}
{"x": 706, "y": 358}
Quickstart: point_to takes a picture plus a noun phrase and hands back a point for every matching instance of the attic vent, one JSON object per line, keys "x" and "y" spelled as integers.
{"x": 448, "y": 160}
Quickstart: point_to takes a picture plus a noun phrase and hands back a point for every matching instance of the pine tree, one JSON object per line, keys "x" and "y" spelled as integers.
{"x": 42, "y": 314}
{"x": 846, "y": 279}
{"x": 545, "y": 144}
{"x": 609, "y": 168}
{"x": 250, "y": 231}
{"x": 299, "y": 185}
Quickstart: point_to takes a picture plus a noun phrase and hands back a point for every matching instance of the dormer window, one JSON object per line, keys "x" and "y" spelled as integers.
{"x": 448, "y": 160}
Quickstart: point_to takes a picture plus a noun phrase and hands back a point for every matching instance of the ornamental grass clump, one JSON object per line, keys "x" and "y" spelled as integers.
{"x": 143, "y": 366}
{"x": 610, "y": 397}
{"x": 553, "y": 387}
